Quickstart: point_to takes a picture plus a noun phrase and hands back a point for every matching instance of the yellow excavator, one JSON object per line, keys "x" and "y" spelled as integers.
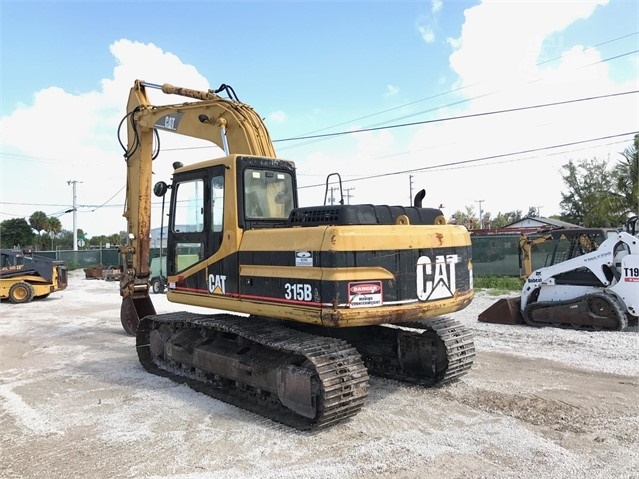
{"x": 314, "y": 298}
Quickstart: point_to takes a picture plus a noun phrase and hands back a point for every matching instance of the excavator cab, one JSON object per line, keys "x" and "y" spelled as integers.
{"x": 237, "y": 192}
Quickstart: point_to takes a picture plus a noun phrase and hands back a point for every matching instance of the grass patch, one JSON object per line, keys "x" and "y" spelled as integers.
{"x": 497, "y": 285}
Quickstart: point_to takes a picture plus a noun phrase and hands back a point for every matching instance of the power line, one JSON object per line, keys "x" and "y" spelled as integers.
{"x": 320, "y": 138}
{"x": 454, "y": 90}
{"x": 439, "y": 120}
{"x": 306, "y": 136}
{"x": 462, "y": 117}
{"x": 458, "y": 164}
{"x": 103, "y": 204}
{"x": 377, "y": 126}
{"x": 95, "y": 207}
{"x": 476, "y": 160}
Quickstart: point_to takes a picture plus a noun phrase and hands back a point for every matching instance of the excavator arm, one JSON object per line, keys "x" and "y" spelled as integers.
{"x": 233, "y": 126}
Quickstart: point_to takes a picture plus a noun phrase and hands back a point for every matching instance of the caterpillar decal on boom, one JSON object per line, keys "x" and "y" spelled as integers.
{"x": 325, "y": 295}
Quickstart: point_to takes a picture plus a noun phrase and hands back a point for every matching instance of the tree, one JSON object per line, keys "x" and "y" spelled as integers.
{"x": 485, "y": 220}
{"x": 470, "y": 221}
{"x": 466, "y": 218}
{"x": 15, "y": 232}
{"x": 533, "y": 212}
{"x": 39, "y": 221}
{"x": 599, "y": 197}
{"x": 65, "y": 239}
{"x": 624, "y": 197}
{"x": 504, "y": 219}
{"x": 117, "y": 238}
{"x": 54, "y": 228}
{"x": 588, "y": 184}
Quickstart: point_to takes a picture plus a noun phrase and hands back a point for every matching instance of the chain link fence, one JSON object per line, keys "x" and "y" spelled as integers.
{"x": 495, "y": 255}
{"x": 498, "y": 255}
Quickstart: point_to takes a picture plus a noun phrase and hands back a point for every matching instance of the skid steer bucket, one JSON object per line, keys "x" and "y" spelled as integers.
{"x": 504, "y": 311}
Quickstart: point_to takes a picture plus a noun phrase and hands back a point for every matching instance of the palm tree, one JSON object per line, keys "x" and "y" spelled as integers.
{"x": 54, "y": 228}
{"x": 39, "y": 222}
{"x": 627, "y": 176}
{"x": 624, "y": 197}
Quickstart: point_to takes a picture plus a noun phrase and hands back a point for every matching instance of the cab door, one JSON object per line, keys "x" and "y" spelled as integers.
{"x": 195, "y": 227}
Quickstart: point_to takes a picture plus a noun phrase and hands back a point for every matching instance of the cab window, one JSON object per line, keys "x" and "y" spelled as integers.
{"x": 268, "y": 195}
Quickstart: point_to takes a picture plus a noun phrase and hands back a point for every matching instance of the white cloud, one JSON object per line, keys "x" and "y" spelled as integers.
{"x": 496, "y": 59}
{"x": 61, "y": 136}
{"x": 277, "y": 116}
{"x": 426, "y": 25}
{"x": 391, "y": 90}
{"x": 427, "y": 33}
{"x": 501, "y": 41}
{"x": 497, "y": 67}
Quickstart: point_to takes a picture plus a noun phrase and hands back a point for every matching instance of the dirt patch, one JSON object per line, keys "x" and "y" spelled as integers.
{"x": 75, "y": 402}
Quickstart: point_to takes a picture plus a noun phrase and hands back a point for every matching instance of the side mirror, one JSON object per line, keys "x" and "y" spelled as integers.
{"x": 160, "y": 188}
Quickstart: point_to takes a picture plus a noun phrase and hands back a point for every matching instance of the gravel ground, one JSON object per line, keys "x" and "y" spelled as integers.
{"x": 75, "y": 402}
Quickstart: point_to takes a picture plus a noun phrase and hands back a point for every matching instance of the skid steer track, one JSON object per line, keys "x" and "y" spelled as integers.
{"x": 593, "y": 312}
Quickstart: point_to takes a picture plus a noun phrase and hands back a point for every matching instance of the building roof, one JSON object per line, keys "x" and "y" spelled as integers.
{"x": 541, "y": 221}
{"x": 527, "y": 225}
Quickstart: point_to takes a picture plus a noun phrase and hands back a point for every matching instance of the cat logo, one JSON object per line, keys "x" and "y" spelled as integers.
{"x": 217, "y": 283}
{"x": 436, "y": 281}
{"x": 169, "y": 122}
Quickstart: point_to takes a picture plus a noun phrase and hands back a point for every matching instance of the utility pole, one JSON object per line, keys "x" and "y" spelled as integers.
{"x": 75, "y": 215}
{"x": 332, "y": 198}
{"x": 410, "y": 189}
{"x": 348, "y": 195}
{"x": 480, "y": 219}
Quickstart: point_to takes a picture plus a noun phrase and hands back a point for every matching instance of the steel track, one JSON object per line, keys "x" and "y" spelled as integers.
{"x": 339, "y": 370}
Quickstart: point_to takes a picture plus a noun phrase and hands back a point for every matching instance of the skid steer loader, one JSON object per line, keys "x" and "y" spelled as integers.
{"x": 596, "y": 289}
{"x": 25, "y": 276}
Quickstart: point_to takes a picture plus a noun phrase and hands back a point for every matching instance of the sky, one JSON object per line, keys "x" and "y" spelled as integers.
{"x": 428, "y": 81}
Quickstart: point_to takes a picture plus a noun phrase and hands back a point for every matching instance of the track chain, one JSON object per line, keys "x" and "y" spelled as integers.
{"x": 597, "y": 305}
{"x": 459, "y": 348}
{"x": 342, "y": 375}
{"x": 428, "y": 352}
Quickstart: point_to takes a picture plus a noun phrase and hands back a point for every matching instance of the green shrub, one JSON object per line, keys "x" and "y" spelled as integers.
{"x": 497, "y": 284}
